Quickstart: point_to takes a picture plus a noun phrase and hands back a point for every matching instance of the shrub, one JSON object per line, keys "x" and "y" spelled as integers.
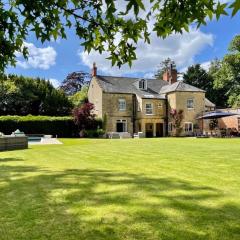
{"x": 177, "y": 117}
{"x": 60, "y": 126}
{"x": 85, "y": 119}
{"x": 213, "y": 124}
{"x": 94, "y": 133}
{"x": 104, "y": 122}
{"x": 83, "y": 116}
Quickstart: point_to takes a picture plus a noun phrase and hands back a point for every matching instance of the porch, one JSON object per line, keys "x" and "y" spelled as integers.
{"x": 151, "y": 128}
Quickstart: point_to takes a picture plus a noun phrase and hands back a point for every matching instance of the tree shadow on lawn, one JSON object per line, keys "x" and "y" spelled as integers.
{"x": 102, "y": 204}
{"x": 10, "y": 159}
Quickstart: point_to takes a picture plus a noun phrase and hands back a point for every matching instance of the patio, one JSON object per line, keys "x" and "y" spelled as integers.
{"x": 214, "y": 129}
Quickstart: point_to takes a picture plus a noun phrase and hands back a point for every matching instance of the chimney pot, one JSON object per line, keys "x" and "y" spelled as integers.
{"x": 170, "y": 75}
{"x": 94, "y": 70}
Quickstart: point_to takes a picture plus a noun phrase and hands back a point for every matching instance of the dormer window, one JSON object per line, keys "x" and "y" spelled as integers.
{"x": 142, "y": 84}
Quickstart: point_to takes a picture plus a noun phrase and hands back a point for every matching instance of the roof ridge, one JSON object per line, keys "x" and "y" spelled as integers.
{"x": 193, "y": 86}
{"x": 154, "y": 79}
{"x": 178, "y": 83}
{"x": 116, "y": 76}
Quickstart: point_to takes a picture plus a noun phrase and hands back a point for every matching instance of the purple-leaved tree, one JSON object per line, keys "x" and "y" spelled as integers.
{"x": 84, "y": 117}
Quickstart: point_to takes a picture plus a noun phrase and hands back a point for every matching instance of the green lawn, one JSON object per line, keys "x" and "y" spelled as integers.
{"x": 122, "y": 189}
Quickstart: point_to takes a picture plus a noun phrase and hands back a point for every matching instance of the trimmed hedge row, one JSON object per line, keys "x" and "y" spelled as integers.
{"x": 60, "y": 126}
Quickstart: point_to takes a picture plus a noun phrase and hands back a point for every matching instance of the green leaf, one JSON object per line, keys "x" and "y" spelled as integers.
{"x": 221, "y": 10}
{"x": 236, "y": 7}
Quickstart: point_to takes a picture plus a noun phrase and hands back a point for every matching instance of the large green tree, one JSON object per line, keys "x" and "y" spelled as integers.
{"x": 227, "y": 75}
{"x": 199, "y": 77}
{"x": 97, "y": 22}
{"x": 81, "y": 97}
{"x": 21, "y": 96}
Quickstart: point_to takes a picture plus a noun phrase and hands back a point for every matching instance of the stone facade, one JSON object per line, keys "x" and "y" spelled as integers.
{"x": 130, "y": 109}
{"x": 95, "y": 96}
{"x": 110, "y": 105}
{"x": 145, "y": 120}
{"x": 178, "y": 100}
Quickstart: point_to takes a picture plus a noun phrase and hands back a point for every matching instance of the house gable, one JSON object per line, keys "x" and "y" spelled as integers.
{"x": 95, "y": 94}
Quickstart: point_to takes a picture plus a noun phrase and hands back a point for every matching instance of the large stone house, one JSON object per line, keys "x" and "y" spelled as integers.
{"x": 143, "y": 105}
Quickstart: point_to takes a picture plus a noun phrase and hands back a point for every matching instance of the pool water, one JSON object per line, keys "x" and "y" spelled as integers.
{"x": 34, "y": 139}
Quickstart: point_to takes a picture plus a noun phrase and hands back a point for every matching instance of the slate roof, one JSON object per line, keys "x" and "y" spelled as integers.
{"x": 129, "y": 85}
{"x": 208, "y": 103}
{"x": 155, "y": 88}
{"x": 179, "y": 87}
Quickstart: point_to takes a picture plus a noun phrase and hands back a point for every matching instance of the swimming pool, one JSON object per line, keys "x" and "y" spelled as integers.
{"x": 41, "y": 140}
{"x": 34, "y": 139}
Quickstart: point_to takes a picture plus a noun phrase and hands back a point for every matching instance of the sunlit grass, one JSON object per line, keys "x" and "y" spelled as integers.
{"x": 122, "y": 189}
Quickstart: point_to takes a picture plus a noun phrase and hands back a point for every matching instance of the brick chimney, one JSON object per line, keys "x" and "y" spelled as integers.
{"x": 170, "y": 75}
{"x": 94, "y": 70}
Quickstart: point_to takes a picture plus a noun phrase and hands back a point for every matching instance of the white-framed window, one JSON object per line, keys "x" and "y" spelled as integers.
{"x": 190, "y": 103}
{"x": 142, "y": 84}
{"x": 149, "y": 108}
{"x": 122, "y": 104}
{"x": 170, "y": 126}
{"x": 121, "y": 125}
{"x": 188, "y": 127}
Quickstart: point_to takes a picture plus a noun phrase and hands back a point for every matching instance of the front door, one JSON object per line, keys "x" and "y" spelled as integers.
{"x": 121, "y": 126}
{"x": 159, "y": 129}
{"x": 149, "y": 130}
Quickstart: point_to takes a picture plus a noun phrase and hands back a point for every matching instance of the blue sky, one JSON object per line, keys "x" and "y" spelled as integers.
{"x": 54, "y": 60}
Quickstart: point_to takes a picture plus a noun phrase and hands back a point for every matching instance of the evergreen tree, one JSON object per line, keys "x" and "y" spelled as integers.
{"x": 22, "y": 96}
{"x": 200, "y": 78}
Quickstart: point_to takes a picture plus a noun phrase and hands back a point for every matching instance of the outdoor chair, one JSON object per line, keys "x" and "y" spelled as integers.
{"x": 114, "y": 135}
{"x": 139, "y": 135}
{"x": 205, "y": 134}
{"x": 125, "y": 135}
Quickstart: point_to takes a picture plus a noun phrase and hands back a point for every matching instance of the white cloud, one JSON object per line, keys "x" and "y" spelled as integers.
{"x": 42, "y": 58}
{"x": 183, "y": 70}
{"x": 56, "y": 83}
{"x": 181, "y": 48}
{"x": 205, "y": 65}
{"x": 149, "y": 75}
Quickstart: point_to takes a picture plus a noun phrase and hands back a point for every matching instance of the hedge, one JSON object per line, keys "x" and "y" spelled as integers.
{"x": 60, "y": 126}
